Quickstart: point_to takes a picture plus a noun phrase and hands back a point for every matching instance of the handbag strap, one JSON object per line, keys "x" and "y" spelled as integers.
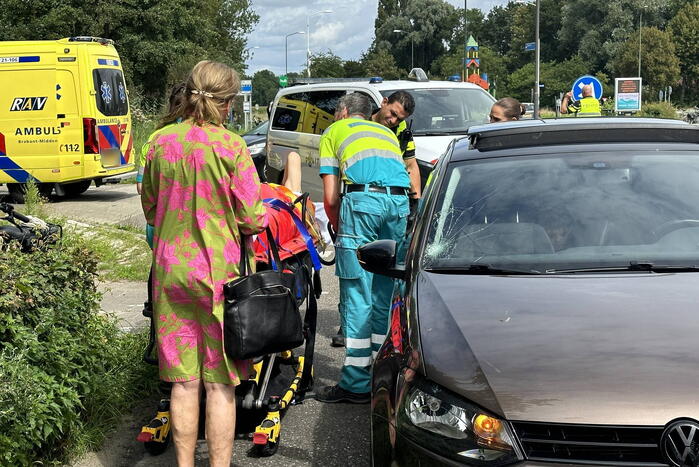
{"x": 271, "y": 248}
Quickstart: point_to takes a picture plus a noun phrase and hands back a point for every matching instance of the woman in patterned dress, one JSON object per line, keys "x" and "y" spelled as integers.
{"x": 202, "y": 194}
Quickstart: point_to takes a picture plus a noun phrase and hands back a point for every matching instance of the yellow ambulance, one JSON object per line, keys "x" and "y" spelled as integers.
{"x": 64, "y": 115}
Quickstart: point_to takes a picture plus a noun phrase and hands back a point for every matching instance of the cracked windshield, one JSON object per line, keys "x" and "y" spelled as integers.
{"x": 544, "y": 214}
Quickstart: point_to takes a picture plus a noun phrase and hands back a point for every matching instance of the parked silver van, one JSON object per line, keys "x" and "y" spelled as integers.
{"x": 300, "y": 114}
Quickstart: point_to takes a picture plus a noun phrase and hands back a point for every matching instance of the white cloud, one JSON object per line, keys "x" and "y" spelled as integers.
{"x": 348, "y": 31}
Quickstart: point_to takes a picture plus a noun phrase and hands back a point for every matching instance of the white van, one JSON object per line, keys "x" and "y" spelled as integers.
{"x": 300, "y": 114}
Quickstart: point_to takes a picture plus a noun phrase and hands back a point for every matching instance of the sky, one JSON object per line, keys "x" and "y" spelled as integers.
{"x": 347, "y": 31}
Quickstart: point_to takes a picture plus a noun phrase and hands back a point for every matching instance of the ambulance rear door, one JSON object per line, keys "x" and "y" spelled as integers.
{"x": 113, "y": 119}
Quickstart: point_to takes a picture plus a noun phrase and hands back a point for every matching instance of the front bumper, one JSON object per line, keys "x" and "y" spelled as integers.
{"x": 410, "y": 454}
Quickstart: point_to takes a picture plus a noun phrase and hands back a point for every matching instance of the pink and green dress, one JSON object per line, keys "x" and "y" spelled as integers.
{"x": 201, "y": 192}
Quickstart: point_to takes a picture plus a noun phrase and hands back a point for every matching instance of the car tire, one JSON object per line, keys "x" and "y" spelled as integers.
{"x": 19, "y": 190}
{"x": 74, "y": 189}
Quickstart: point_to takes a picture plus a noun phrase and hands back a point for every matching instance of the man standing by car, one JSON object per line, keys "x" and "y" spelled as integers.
{"x": 588, "y": 106}
{"x": 365, "y": 186}
{"x": 392, "y": 113}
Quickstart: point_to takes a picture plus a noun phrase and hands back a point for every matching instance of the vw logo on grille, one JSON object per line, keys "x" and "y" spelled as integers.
{"x": 680, "y": 443}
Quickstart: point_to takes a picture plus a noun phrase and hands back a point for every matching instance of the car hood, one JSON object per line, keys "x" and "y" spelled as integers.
{"x": 429, "y": 148}
{"x": 598, "y": 349}
{"x": 252, "y": 138}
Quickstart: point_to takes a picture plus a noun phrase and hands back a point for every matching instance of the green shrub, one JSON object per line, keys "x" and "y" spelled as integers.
{"x": 66, "y": 371}
{"x": 658, "y": 110}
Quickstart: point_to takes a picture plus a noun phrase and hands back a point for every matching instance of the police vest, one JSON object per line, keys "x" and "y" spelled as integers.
{"x": 589, "y": 107}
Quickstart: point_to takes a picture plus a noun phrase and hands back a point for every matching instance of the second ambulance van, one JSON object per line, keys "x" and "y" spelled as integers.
{"x": 64, "y": 115}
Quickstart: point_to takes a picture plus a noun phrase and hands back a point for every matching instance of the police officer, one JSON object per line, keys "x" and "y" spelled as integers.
{"x": 392, "y": 113}
{"x": 365, "y": 187}
{"x": 588, "y": 106}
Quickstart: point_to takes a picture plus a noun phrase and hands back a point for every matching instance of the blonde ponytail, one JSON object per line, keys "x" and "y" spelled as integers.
{"x": 211, "y": 86}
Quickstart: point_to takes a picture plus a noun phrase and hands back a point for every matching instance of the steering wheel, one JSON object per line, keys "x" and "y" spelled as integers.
{"x": 671, "y": 226}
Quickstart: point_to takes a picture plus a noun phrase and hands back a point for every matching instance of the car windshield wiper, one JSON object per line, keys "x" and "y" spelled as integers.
{"x": 632, "y": 266}
{"x": 484, "y": 269}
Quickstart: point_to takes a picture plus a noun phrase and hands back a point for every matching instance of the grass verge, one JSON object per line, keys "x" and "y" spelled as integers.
{"x": 122, "y": 251}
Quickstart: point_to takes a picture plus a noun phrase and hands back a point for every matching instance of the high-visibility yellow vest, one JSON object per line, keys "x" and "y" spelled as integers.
{"x": 589, "y": 107}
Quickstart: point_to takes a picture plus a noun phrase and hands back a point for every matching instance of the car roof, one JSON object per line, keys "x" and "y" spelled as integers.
{"x": 572, "y": 131}
{"x": 391, "y": 85}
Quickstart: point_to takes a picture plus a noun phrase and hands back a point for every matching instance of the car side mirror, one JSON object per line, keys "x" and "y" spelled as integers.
{"x": 379, "y": 257}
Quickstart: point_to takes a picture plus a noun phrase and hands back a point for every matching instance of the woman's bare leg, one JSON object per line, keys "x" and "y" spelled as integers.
{"x": 184, "y": 409}
{"x": 292, "y": 172}
{"x": 220, "y": 423}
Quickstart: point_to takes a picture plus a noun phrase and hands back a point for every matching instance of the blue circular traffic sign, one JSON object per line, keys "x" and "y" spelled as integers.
{"x": 585, "y": 80}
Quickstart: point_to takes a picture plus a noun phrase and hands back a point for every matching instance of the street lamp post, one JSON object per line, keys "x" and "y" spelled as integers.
{"x": 537, "y": 87}
{"x": 537, "y": 59}
{"x": 465, "y": 42}
{"x": 308, "y": 39}
{"x": 640, "y": 24}
{"x": 286, "y": 50}
{"x": 412, "y": 48}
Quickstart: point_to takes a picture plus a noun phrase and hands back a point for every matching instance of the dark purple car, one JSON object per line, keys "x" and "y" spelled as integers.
{"x": 547, "y": 308}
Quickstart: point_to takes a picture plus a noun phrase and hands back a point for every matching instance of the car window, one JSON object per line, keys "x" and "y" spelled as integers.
{"x": 451, "y": 110}
{"x": 306, "y": 112}
{"x": 568, "y": 211}
{"x": 111, "y": 97}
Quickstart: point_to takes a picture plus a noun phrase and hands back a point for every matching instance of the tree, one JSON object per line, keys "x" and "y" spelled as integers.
{"x": 354, "y": 69}
{"x": 158, "y": 40}
{"x": 683, "y": 30}
{"x": 326, "y": 65}
{"x": 427, "y": 26}
{"x": 556, "y": 78}
{"x": 264, "y": 87}
{"x": 381, "y": 63}
{"x": 497, "y": 28}
{"x": 660, "y": 66}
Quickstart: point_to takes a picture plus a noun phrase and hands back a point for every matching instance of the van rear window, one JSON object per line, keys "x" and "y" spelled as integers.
{"x": 111, "y": 91}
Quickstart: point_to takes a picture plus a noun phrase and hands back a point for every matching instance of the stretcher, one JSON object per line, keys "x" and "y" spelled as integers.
{"x": 275, "y": 381}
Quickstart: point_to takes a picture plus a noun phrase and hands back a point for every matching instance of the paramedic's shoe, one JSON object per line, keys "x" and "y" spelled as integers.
{"x": 335, "y": 393}
{"x": 338, "y": 340}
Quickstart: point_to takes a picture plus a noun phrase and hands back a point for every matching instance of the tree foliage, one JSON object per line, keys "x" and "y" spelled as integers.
{"x": 158, "y": 40}
{"x": 593, "y": 37}
{"x": 381, "y": 63}
{"x": 683, "y": 30}
{"x": 660, "y": 66}
{"x": 264, "y": 87}
{"x": 327, "y": 65}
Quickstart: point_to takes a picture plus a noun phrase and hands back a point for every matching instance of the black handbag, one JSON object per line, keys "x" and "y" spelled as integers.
{"x": 261, "y": 314}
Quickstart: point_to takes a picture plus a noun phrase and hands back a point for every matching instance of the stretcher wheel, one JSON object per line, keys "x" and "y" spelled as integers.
{"x": 155, "y": 448}
{"x": 268, "y": 449}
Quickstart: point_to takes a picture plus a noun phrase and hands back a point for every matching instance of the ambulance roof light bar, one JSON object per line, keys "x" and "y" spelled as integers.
{"x": 101, "y": 40}
{"x": 418, "y": 74}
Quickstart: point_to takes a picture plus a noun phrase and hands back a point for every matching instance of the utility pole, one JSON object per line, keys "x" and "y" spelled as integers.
{"x": 537, "y": 87}
{"x": 465, "y": 42}
{"x": 640, "y": 25}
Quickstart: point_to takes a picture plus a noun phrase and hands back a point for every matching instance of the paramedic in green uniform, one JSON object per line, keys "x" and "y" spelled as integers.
{"x": 365, "y": 196}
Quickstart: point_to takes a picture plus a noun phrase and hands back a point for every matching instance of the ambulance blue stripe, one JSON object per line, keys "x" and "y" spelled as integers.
{"x": 105, "y": 61}
{"x": 107, "y": 132}
{"x": 11, "y": 168}
{"x": 32, "y": 58}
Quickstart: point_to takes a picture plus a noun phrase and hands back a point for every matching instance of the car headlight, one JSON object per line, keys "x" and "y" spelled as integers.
{"x": 451, "y": 427}
{"x": 256, "y": 148}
